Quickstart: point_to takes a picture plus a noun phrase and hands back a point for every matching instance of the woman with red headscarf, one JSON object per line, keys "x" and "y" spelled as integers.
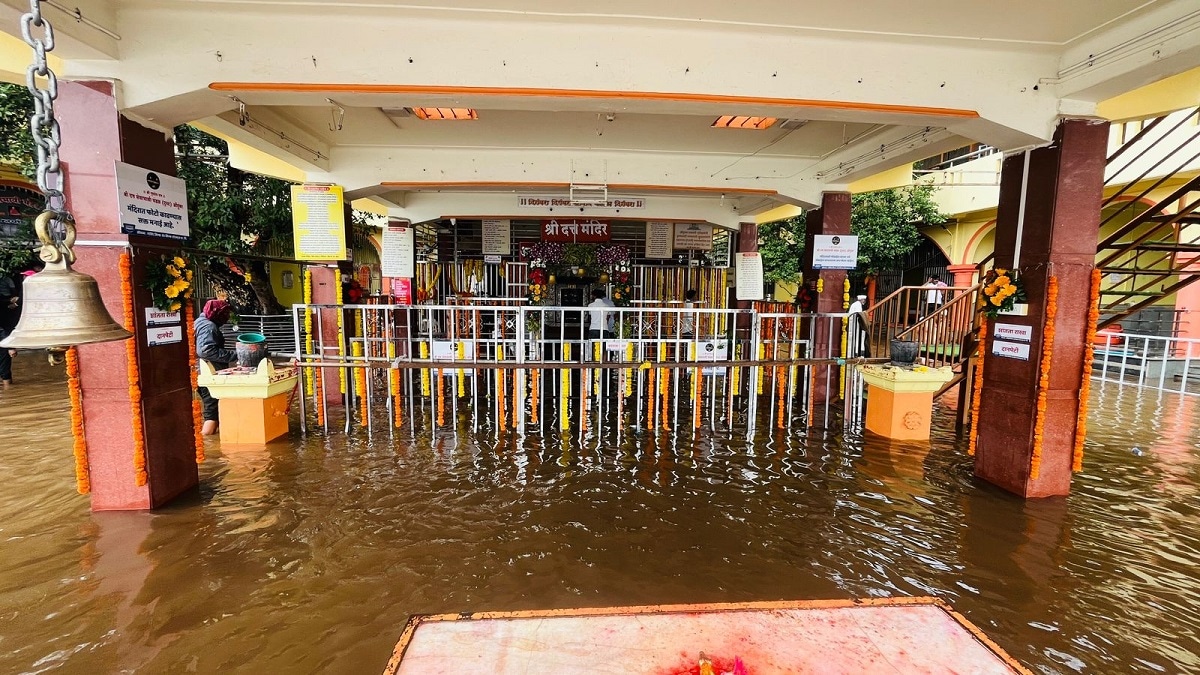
{"x": 210, "y": 346}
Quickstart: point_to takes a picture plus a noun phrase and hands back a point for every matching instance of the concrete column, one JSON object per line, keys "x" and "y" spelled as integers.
{"x": 747, "y": 242}
{"x": 94, "y": 134}
{"x": 325, "y": 281}
{"x": 1058, "y": 238}
{"x": 964, "y": 275}
{"x": 832, "y": 218}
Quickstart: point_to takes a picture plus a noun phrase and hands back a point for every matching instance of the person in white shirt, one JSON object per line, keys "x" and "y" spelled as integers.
{"x": 857, "y": 344}
{"x": 600, "y": 322}
{"x": 687, "y": 320}
{"x": 933, "y": 296}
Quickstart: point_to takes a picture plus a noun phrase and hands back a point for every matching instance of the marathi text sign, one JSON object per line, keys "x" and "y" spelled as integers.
{"x": 659, "y": 240}
{"x": 319, "y": 221}
{"x": 151, "y": 204}
{"x": 497, "y": 237}
{"x": 749, "y": 276}
{"x": 1010, "y": 350}
{"x": 575, "y": 230}
{"x": 399, "y": 252}
{"x": 550, "y": 202}
{"x": 835, "y": 251}
{"x": 693, "y": 236}
{"x": 1012, "y": 331}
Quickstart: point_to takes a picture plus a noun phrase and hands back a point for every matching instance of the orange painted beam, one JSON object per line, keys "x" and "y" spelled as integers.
{"x": 596, "y": 94}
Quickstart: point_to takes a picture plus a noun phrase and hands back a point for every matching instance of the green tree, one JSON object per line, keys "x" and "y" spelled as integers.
{"x": 16, "y": 150}
{"x": 781, "y": 245}
{"x": 887, "y": 223}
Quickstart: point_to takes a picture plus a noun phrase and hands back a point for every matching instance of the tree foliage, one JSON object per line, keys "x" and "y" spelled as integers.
{"x": 781, "y": 245}
{"x": 887, "y": 222}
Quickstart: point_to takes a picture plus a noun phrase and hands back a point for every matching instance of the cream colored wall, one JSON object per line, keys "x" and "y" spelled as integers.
{"x": 1173, "y": 93}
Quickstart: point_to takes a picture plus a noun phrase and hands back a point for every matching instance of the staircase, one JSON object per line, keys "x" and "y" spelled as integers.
{"x": 905, "y": 315}
{"x": 1156, "y": 253}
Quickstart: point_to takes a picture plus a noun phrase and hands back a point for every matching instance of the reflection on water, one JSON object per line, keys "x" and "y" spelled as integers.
{"x": 308, "y": 556}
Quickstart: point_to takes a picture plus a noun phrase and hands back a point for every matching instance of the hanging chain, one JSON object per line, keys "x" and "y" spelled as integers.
{"x": 42, "y": 124}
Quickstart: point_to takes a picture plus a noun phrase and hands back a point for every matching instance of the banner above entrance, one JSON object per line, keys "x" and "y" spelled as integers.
{"x": 575, "y": 230}
{"x": 561, "y": 201}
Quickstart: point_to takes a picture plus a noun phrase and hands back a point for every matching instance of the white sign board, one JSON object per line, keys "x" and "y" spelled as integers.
{"x": 712, "y": 350}
{"x": 835, "y": 251}
{"x": 552, "y": 201}
{"x": 158, "y": 317}
{"x": 1011, "y": 350}
{"x": 659, "y": 240}
{"x": 152, "y": 204}
{"x": 164, "y": 335}
{"x": 497, "y": 237}
{"x": 399, "y": 252}
{"x": 447, "y": 350}
{"x": 1012, "y": 331}
{"x": 693, "y": 236}
{"x": 749, "y": 276}
{"x": 616, "y": 345}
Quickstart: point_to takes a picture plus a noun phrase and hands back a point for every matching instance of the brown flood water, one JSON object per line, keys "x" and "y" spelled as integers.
{"x": 308, "y": 556}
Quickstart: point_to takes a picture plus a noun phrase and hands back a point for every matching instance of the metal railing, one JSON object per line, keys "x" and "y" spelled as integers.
{"x": 909, "y": 309}
{"x": 579, "y": 370}
{"x": 944, "y": 334}
{"x": 1164, "y": 364}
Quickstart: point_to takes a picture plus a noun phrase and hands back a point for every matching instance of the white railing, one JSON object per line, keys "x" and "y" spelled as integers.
{"x": 1148, "y": 361}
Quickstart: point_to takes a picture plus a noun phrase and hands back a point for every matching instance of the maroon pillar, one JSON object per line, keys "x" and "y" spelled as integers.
{"x": 325, "y": 282}
{"x": 832, "y": 218}
{"x": 1061, "y": 226}
{"x": 94, "y": 135}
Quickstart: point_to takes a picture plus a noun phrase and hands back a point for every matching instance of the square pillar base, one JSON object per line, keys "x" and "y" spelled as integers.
{"x": 253, "y": 421}
{"x": 900, "y": 400}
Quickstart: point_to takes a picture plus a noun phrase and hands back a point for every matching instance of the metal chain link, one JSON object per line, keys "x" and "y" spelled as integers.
{"x": 42, "y": 124}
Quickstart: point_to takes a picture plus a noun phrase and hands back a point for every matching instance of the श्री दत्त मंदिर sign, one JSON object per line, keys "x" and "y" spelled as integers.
{"x": 575, "y": 230}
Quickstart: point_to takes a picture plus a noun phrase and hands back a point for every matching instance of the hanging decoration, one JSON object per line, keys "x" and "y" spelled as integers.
{"x": 309, "y": 381}
{"x": 82, "y": 478}
{"x": 169, "y": 280}
{"x": 1039, "y": 425}
{"x": 1002, "y": 290}
{"x": 977, "y": 386}
{"x": 1089, "y": 356}
{"x": 194, "y": 375}
{"x": 131, "y": 372}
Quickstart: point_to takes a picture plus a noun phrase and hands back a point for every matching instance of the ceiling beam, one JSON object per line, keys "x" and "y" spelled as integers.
{"x": 270, "y": 132}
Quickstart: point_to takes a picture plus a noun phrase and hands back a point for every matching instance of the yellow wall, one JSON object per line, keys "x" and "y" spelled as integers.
{"x": 287, "y": 296}
{"x": 1173, "y": 93}
{"x": 897, "y": 177}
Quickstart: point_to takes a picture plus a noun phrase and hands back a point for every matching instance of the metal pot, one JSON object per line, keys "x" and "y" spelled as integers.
{"x": 904, "y": 352}
{"x": 251, "y": 349}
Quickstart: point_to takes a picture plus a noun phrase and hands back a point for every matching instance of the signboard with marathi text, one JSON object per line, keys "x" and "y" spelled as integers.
{"x": 835, "y": 251}
{"x": 693, "y": 236}
{"x": 1011, "y": 350}
{"x": 1012, "y": 331}
{"x": 319, "y": 222}
{"x": 402, "y": 291}
{"x": 575, "y": 230}
{"x": 161, "y": 317}
{"x": 660, "y": 243}
{"x": 497, "y": 237}
{"x": 164, "y": 335}
{"x": 151, "y": 204}
{"x": 399, "y": 253}
{"x": 561, "y": 201}
{"x": 749, "y": 276}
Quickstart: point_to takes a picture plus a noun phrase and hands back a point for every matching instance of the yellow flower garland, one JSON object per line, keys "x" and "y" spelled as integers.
{"x": 82, "y": 479}
{"x": 131, "y": 372}
{"x": 310, "y": 381}
{"x": 1089, "y": 355}
{"x": 533, "y": 396}
{"x": 977, "y": 386}
{"x": 194, "y": 375}
{"x": 341, "y": 326}
{"x": 1039, "y": 426}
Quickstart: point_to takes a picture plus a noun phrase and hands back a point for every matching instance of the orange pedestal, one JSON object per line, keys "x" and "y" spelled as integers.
{"x": 900, "y": 400}
{"x": 253, "y": 420}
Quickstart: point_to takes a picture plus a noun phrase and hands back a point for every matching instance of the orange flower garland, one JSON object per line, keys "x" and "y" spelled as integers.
{"x": 319, "y": 401}
{"x": 533, "y": 396}
{"x": 977, "y": 386}
{"x": 1039, "y": 425}
{"x": 780, "y": 382}
{"x": 189, "y": 314}
{"x": 664, "y": 382}
{"x": 1089, "y": 355}
{"x": 651, "y": 400}
{"x": 398, "y": 412}
{"x": 699, "y": 407}
{"x": 82, "y": 480}
{"x": 131, "y": 372}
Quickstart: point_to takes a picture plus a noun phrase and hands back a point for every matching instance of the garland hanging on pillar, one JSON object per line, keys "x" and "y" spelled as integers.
{"x": 1039, "y": 425}
{"x": 1089, "y": 355}
{"x": 977, "y": 386}
{"x": 82, "y": 479}
{"x": 197, "y": 409}
{"x": 309, "y": 380}
{"x": 131, "y": 371}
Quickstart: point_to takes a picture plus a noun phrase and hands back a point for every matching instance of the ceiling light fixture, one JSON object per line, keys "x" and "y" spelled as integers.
{"x": 446, "y": 113}
{"x": 743, "y": 122}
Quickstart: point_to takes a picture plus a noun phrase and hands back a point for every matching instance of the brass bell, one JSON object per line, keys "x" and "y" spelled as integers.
{"x": 62, "y": 307}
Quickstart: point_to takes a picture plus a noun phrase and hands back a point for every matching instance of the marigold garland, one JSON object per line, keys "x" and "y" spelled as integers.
{"x": 1089, "y": 355}
{"x": 82, "y": 479}
{"x": 131, "y": 373}
{"x": 319, "y": 403}
{"x": 360, "y": 381}
{"x": 197, "y": 408}
{"x": 341, "y": 326}
{"x": 309, "y": 382}
{"x": 780, "y": 382}
{"x": 977, "y": 386}
{"x": 651, "y": 418}
{"x": 397, "y": 411}
{"x": 699, "y": 375}
{"x": 1039, "y": 426}
{"x": 664, "y": 385}
{"x": 533, "y": 396}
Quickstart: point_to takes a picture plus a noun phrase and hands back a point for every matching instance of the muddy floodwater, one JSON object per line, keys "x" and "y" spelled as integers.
{"x": 308, "y": 556}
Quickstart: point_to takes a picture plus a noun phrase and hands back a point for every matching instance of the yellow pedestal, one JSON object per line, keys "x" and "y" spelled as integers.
{"x": 253, "y": 403}
{"x": 253, "y": 420}
{"x": 900, "y": 400}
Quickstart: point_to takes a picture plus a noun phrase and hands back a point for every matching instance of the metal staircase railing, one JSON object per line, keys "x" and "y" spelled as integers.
{"x": 907, "y": 312}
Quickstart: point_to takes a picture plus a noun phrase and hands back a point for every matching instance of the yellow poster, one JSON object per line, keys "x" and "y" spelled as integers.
{"x": 319, "y": 222}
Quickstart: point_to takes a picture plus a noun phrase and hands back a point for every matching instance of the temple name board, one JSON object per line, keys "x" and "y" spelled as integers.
{"x": 575, "y": 230}
{"x": 560, "y": 201}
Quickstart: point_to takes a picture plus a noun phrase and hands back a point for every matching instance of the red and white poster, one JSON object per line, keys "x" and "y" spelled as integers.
{"x": 402, "y": 291}
{"x": 575, "y": 230}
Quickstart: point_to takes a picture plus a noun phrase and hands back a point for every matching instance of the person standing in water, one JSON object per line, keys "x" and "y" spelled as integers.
{"x": 687, "y": 320}
{"x": 210, "y": 346}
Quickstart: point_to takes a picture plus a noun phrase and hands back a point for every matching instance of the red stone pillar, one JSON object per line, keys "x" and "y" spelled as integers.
{"x": 1059, "y": 237}
{"x": 94, "y": 135}
{"x": 325, "y": 282}
{"x": 832, "y": 218}
{"x": 964, "y": 275}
